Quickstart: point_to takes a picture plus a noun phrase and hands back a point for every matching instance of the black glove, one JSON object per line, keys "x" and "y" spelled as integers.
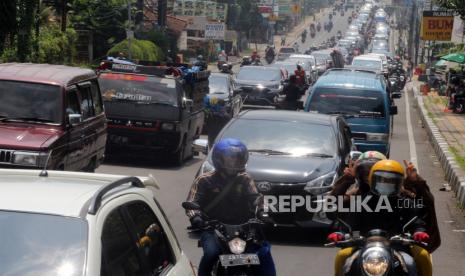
{"x": 197, "y": 222}
{"x": 265, "y": 218}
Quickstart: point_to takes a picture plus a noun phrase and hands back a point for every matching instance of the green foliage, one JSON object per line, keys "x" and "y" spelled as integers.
{"x": 56, "y": 46}
{"x": 140, "y": 50}
{"x": 26, "y": 14}
{"x": 456, "y": 5}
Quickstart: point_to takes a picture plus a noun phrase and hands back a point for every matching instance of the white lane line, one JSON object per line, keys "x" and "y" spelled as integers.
{"x": 411, "y": 139}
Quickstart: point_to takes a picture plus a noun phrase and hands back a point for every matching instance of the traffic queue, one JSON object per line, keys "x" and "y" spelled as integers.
{"x": 308, "y": 126}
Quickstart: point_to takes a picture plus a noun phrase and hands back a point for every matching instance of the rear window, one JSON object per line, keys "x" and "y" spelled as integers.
{"x": 258, "y": 73}
{"x": 359, "y": 103}
{"x": 138, "y": 89}
{"x": 372, "y": 64}
{"x": 38, "y": 244}
{"x": 287, "y": 50}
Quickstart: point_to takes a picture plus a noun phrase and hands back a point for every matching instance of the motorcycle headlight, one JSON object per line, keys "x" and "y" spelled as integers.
{"x": 206, "y": 167}
{"x": 237, "y": 246}
{"x": 321, "y": 184}
{"x": 26, "y": 158}
{"x": 375, "y": 261}
{"x": 378, "y": 137}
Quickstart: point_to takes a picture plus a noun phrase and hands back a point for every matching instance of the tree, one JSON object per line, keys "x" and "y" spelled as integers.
{"x": 7, "y": 22}
{"x": 140, "y": 50}
{"x": 457, "y": 6}
{"x": 26, "y": 15}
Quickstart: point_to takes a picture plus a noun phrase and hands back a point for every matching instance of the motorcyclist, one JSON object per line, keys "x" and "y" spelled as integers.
{"x": 386, "y": 181}
{"x": 246, "y": 61}
{"x": 200, "y": 62}
{"x": 318, "y": 26}
{"x": 255, "y": 56}
{"x": 454, "y": 87}
{"x": 229, "y": 195}
{"x": 301, "y": 77}
{"x": 270, "y": 54}
{"x": 293, "y": 93}
{"x": 296, "y": 46}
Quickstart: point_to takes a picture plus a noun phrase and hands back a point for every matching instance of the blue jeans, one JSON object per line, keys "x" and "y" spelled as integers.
{"x": 211, "y": 251}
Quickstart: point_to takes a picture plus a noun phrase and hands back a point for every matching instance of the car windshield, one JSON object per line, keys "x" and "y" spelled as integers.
{"x": 290, "y": 67}
{"x": 32, "y": 102}
{"x": 38, "y": 244}
{"x": 293, "y": 138}
{"x": 302, "y": 60}
{"x": 368, "y": 63}
{"x": 259, "y": 73}
{"x": 138, "y": 89}
{"x": 218, "y": 84}
{"x": 287, "y": 50}
{"x": 348, "y": 102}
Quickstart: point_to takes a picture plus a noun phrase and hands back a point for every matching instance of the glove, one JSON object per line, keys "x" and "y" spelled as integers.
{"x": 335, "y": 237}
{"x": 197, "y": 222}
{"x": 265, "y": 218}
{"x": 421, "y": 237}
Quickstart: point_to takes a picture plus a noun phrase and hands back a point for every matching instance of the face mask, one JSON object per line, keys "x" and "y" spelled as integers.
{"x": 385, "y": 188}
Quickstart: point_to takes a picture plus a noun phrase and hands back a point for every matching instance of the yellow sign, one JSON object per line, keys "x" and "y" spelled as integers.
{"x": 295, "y": 8}
{"x": 273, "y": 17}
{"x": 437, "y": 25}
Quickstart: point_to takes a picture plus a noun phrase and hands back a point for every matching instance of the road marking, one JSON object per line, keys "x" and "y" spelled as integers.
{"x": 411, "y": 139}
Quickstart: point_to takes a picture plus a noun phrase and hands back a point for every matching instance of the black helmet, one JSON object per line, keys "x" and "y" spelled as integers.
{"x": 230, "y": 156}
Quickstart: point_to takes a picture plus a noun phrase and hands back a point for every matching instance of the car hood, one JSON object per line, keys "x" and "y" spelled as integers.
{"x": 28, "y": 137}
{"x": 285, "y": 169}
{"x": 240, "y": 82}
{"x": 377, "y": 125}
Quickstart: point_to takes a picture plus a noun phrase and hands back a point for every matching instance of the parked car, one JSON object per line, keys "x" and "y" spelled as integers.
{"x": 151, "y": 110}
{"x": 71, "y": 223}
{"x": 50, "y": 116}
{"x": 362, "y": 98}
{"x": 285, "y": 52}
{"x": 259, "y": 85}
{"x": 291, "y": 153}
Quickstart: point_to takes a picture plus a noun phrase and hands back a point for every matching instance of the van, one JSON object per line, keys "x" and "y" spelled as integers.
{"x": 362, "y": 98}
{"x": 51, "y": 116}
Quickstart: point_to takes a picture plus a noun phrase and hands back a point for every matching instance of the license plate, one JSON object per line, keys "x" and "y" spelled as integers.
{"x": 241, "y": 259}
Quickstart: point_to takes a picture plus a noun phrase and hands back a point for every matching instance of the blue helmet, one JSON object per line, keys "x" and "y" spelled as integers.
{"x": 230, "y": 156}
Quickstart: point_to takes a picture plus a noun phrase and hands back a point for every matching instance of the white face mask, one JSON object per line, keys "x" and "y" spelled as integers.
{"x": 385, "y": 188}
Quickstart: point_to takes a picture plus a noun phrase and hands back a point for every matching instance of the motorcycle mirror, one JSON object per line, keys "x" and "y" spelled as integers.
{"x": 189, "y": 205}
{"x": 345, "y": 224}
{"x": 408, "y": 223}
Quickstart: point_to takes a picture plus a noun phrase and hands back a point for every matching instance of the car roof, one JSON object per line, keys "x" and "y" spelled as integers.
{"x": 264, "y": 68}
{"x": 351, "y": 78}
{"x": 301, "y": 56}
{"x": 216, "y": 74}
{"x": 45, "y": 73}
{"x": 59, "y": 193}
{"x": 368, "y": 57}
{"x": 290, "y": 116}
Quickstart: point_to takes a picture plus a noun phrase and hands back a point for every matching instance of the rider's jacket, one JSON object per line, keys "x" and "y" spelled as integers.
{"x": 237, "y": 206}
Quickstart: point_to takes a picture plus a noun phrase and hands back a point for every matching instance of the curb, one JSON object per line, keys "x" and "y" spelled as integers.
{"x": 452, "y": 171}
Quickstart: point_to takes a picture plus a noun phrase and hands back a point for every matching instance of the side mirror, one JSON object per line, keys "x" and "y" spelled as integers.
{"x": 200, "y": 146}
{"x": 396, "y": 95}
{"x": 393, "y": 110}
{"x": 74, "y": 119}
{"x": 189, "y": 205}
{"x": 354, "y": 155}
{"x": 188, "y": 103}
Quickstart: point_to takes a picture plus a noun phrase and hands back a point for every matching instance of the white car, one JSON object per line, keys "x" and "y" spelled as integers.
{"x": 69, "y": 223}
{"x": 372, "y": 63}
{"x": 309, "y": 64}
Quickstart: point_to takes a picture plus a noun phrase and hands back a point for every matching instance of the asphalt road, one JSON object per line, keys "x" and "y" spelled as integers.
{"x": 300, "y": 252}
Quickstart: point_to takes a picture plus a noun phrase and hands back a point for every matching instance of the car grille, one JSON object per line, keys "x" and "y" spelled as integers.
{"x": 6, "y": 156}
{"x": 359, "y": 135}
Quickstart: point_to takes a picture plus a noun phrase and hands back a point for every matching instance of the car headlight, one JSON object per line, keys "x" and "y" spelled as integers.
{"x": 27, "y": 158}
{"x": 168, "y": 126}
{"x": 378, "y": 137}
{"x": 375, "y": 261}
{"x": 237, "y": 246}
{"x": 321, "y": 184}
{"x": 206, "y": 167}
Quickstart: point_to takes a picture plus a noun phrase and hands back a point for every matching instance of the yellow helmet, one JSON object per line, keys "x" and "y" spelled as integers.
{"x": 386, "y": 177}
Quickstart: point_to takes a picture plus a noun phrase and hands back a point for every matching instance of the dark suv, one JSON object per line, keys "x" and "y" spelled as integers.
{"x": 153, "y": 109}
{"x": 50, "y": 116}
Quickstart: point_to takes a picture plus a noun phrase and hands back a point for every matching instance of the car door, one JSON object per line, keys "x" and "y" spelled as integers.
{"x": 89, "y": 135}
{"x": 74, "y": 151}
{"x": 236, "y": 100}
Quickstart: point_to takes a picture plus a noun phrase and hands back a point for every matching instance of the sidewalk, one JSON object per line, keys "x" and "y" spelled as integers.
{"x": 447, "y": 134}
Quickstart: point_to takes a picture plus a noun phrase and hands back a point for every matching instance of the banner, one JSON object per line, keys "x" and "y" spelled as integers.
{"x": 437, "y": 25}
{"x": 211, "y": 9}
{"x": 214, "y": 31}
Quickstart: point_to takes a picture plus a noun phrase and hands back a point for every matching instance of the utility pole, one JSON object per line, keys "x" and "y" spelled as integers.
{"x": 64, "y": 12}
{"x": 129, "y": 33}
{"x": 162, "y": 7}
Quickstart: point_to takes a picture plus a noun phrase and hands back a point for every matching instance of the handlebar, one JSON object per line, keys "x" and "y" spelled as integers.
{"x": 395, "y": 239}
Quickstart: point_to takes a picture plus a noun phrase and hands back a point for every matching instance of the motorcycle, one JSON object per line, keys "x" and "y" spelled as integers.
{"x": 312, "y": 34}
{"x": 226, "y": 68}
{"x": 349, "y": 20}
{"x": 256, "y": 62}
{"x": 220, "y": 63}
{"x": 377, "y": 253}
{"x": 269, "y": 58}
{"x": 246, "y": 61}
{"x": 318, "y": 26}
{"x": 236, "y": 241}
{"x": 339, "y": 36}
{"x": 458, "y": 101}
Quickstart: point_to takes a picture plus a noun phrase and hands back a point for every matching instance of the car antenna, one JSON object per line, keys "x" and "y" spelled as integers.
{"x": 44, "y": 172}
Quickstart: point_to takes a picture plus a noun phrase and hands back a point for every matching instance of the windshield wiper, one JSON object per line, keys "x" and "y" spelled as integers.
{"x": 269, "y": 152}
{"x": 345, "y": 114}
{"x": 370, "y": 115}
{"x": 321, "y": 155}
{"x": 31, "y": 119}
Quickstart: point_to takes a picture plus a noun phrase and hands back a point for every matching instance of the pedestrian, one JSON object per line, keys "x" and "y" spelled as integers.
{"x": 283, "y": 40}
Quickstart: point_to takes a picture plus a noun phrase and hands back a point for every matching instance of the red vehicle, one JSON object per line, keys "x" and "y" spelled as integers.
{"x": 51, "y": 116}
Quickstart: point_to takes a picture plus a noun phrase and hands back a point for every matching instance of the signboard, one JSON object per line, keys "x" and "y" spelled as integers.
{"x": 210, "y": 9}
{"x": 437, "y": 25}
{"x": 296, "y": 9}
{"x": 214, "y": 31}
